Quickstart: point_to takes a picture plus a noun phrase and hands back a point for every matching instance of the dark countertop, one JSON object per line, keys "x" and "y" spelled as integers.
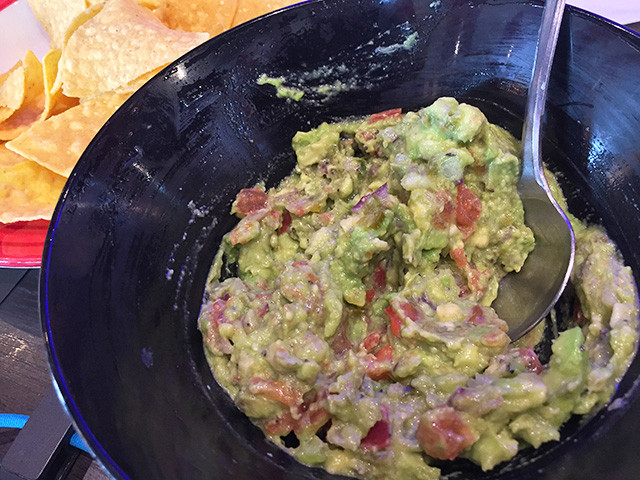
{"x": 24, "y": 374}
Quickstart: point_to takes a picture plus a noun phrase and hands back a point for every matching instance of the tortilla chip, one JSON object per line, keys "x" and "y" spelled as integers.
{"x": 118, "y": 45}
{"x": 148, "y": 4}
{"x": 58, "y": 142}
{"x": 56, "y": 16}
{"x": 11, "y": 90}
{"x": 211, "y": 16}
{"x": 9, "y": 158}
{"x": 138, "y": 82}
{"x": 249, "y": 9}
{"x": 55, "y": 101}
{"x": 33, "y": 103}
{"x": 28, "y": 191}
{"x": 80, "y": 19}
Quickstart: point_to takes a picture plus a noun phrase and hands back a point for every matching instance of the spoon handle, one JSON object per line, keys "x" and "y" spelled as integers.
{"x": 549, "y": 30}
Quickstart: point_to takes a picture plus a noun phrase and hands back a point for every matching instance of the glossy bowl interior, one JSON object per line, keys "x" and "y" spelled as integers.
{"x": 139, "y": 221}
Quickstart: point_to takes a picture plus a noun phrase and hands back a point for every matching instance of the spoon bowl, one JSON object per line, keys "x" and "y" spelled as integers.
{"x": 526, "y": 297}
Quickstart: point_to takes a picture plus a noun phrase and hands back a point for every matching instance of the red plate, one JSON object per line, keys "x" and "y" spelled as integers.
{"x": 21, "y": 243}
{"x": 5, "y": 3}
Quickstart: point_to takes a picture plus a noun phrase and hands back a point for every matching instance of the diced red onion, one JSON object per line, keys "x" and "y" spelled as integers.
{"x": 381, "y": 193}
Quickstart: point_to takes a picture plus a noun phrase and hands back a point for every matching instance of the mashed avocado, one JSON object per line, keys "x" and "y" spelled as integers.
{"x": 359, "y": 332}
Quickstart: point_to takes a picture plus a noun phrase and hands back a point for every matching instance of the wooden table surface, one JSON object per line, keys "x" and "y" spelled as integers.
{"x": 24, "y": 372}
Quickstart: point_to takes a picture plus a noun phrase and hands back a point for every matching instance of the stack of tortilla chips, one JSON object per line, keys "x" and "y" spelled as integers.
{"x": 100, "y": 53}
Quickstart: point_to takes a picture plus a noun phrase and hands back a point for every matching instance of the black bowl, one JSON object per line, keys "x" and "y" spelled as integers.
{"x": 135, "y": 232}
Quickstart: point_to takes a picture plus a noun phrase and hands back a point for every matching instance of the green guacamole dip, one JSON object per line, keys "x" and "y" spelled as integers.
{"x": 359, "y": 333}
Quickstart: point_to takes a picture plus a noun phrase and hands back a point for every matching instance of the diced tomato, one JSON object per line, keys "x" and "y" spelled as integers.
{"x": 468, "y": 207}
{"x": 369, "y": 294}
{"x": 217, "y": 312}
{"x": 376, "y": 371}
{"x": 396, "y": 321}
{"x": 371, "y": 341}
{"x": 311, "y": 417}
{"x": 326, "y": 217}
{"x": 459, "y": 257}
{"x": 530, "y": 360}
{"x": 474, "y": 277}
{"x": 443, "y": 218}
{"x": 477, "y": 315}
{"x": 384, "y": 354}
{"x": 379, "y": 277}
{"x": 276, "y": 391}
{"x": 443, "y": 433}
{"x": 379, "y": 365}
{"x": 378, "y": 436}
{"x": 411, "y": 311}
{"x": 366, "y": 135}
{"x": 216, "y": 317}
{"x": 495, "y": 339}
{"x": 391, "y": 113}
{"x": 286, "y": 222}
{"x": 250, "y": 200}
{"x": 245, "y": 230}
{"x": 280, "y": 425}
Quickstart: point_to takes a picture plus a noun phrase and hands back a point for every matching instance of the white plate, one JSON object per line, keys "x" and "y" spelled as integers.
{"x": 19, "y": 32}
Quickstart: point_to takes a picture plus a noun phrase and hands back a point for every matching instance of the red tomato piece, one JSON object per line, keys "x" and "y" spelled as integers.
{"x": 250, "y": 200}
{"x": 276, "y": 391}
{"x": 379, "y": 365}
{"x": 459, "y": 257}
{"x": 495, "y": 339}
{"x": 391, "y": 113}
{"x": 396, "y": 321}
{"x": 216, "y": 317}
{"x": 468, "y": 207}
{"x": 443, "y": 218}
{"x": 369, "y": 295}
{"x": 280, "y": 425}
{"x": 443, "y": 433}
{"x": 379, "y": 277}
{"x": 378, "y": 436}
{"x": 366, "y": 135}
{"x": 477, "y": 315}
{"x": 530, "y": 360}
{"x": 286, "y": 222}
{"x": 371, "y": 341}
{"x": 217, "y": 312}
{"x": 411, "y": 311}
{"x": 385, "y": 354}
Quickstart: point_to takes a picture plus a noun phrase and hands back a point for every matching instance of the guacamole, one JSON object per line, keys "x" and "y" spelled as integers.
{"x": 358, "y": 331}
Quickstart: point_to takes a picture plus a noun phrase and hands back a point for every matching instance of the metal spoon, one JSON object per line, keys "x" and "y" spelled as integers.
{"x": 526, "y": 297}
